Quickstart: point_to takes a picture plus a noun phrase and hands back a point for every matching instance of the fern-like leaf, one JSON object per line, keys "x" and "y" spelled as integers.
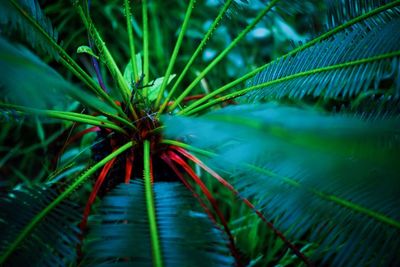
{"x": 120, "y": 236}
{"x": 27, "y": 18}
{"x": 26, "y": 80}
{"x": 341, "y": 11}
{"x": 52, "y": 242}
{"x": 351, "y": 62}
{"x": 330, "y": 179}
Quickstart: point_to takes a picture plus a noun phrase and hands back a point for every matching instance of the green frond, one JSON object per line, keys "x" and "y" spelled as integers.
{"x": 372, "y": 105}
{"x": 120, "y": 236}
{"x": 340, "y": 12}
{"x": 52, "y": 242}
{"x": 333, "y": 176}
{"x": 26, "y": 80}
{"x": 27, "y": 18}
{"x": 349, "y": 63}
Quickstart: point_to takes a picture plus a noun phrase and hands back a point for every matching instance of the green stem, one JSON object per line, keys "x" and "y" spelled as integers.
{"x": 329, "y": 197}
{"x": 69, "y": 116}
{"x": 128, "y": 15}
{"x": 146, "y": 65}
{"x": 196, "y": 53}
{"x": 148, "y": 183}
{"x": 296, "y": 50}
{"x": 174, "y": 54}
{"x": 105, "y": 54}
{"x": 157, "y": 37}
{"x": 39, "y": 217}
{"x": 223, "y": 54}
{"x": 293, "y": 76}
{"x": 108, "y": 59}
{"x": 67, "y": 61}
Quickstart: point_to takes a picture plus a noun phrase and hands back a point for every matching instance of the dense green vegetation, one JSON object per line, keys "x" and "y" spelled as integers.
{"x": 199, "y": 133}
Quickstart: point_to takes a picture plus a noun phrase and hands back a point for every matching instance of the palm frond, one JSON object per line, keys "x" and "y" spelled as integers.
{"x": 340, "y": 11}
{"x": 26, "y": 17}
{"x": 26, "y": 80}
{"x": 332, "y": 179}
{"x": 351, "y": 62}
{"x": 120, "y": 236}
{"x": 52, "y": 242}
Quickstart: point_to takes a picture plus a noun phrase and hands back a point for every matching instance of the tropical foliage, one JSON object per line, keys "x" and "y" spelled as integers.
{"x": 169, "y": 141}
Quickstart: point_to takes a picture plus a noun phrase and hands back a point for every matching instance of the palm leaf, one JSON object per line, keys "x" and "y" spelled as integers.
{"x": 120, "y": 235}
{"x": 339, "y": 11}
{"x": 26, "y": 80}
{"x": 26, "y": 17}
{"x": 351, "y": 62}
{"x": 52, "y": 242}
{"x": 331, "y": 179}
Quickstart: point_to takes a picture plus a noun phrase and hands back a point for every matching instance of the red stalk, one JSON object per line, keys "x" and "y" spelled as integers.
{"x": 246, "y": 201}
{"x": 175, "y": 157}
{"x": 169, "y": 162}
{"x": 95, "y": 190}
{"x": 128, "y": 166}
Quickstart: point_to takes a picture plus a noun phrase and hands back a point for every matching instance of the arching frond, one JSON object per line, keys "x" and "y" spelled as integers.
{"x": 120, "y": 236}
{"x": 52, "y": 242}
{"x": 333, "y": 176}
{"x": 343, "y": 66}
{"x": 25, "y": 79}
{"x": 341, "y": 11}
{"x": 26, "y": 17}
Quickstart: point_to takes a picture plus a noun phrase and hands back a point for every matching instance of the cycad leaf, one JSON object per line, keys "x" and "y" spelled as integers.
{"x": 119, "y": 235}
{"x": 26, "y": 80}
{"x": 14, "y": 16}
{"x": 330, "y": 69}
{"x": 335, "y": 177}
{"x": 341, "y": 11}
{"x": 52, "y": 242}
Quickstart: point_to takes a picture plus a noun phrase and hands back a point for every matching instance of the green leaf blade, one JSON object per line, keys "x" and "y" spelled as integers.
{"x": 333, "y": 176}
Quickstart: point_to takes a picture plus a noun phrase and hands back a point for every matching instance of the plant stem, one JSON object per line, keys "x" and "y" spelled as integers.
{"x": 196, "y": 52}
{"x": 78, "y": 182}
{"x": 290, "y": 77}
{"x": 68, "y": 62}
{"x": 223, "y": 54}
{"x": 146, "y": 65}
{"x": 128, "y": 16}
{"x": 296, "y": 50}
{"x": 105, "y": 54}
{"x": 174, "y": 54}
{"x": 151, "y": 212}
{"x": 69, "y": 116}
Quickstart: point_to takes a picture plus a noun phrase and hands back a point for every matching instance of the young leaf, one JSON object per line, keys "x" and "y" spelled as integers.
{"x": 87, "y": 50}
{"x": 128, "y": 73}
{"x": 153, "y": 90}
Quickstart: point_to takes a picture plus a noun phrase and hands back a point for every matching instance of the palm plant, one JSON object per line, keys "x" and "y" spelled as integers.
{"x": 302, "y": 151}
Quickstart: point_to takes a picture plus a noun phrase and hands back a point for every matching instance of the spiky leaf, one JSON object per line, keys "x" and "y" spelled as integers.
{"x": 331, "y": 179}
{"x": 28, "y": 19}
{"x": 351, "y": 62}
{"x": 25, "y": 79}
{"x": 52, "y": 242}
{"x": 120, "y": 236}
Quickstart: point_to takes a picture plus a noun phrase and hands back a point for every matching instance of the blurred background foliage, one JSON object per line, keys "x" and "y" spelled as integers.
{"x": 26, "y": 143}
